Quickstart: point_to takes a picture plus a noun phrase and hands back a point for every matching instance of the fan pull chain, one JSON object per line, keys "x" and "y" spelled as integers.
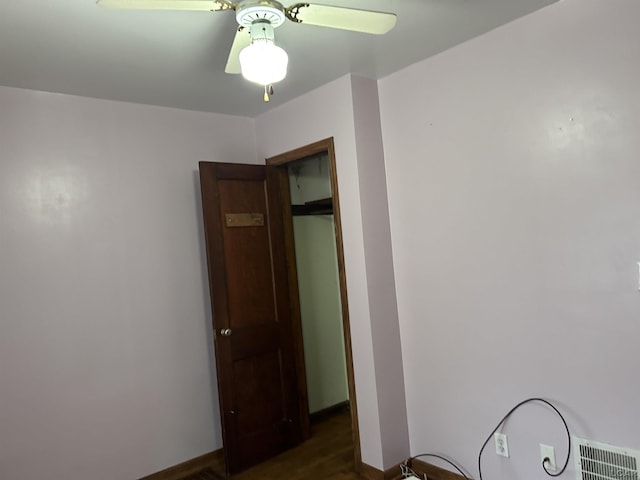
{"x": 268, "y": 90}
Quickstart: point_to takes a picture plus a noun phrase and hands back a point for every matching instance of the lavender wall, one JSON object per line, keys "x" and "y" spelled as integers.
{"x": 512, "y": 170}
{"x": 385, "y": 331}
{"x": 327, "y": 112}
{"x": 511, "y": 167}
{"x": 105, "y": 352}
{"x": 335, "y": 111}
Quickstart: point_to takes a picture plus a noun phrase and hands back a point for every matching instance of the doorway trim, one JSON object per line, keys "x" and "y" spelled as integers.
{"x": 281, "y": 161}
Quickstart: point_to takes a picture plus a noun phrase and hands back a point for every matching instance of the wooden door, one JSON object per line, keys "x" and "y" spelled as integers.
{"x": 251, "y": 312}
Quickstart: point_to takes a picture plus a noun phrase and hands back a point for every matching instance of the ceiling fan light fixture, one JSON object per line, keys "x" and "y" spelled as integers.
{"x": 250, "y": 11}
{"x": 263, "y": 62}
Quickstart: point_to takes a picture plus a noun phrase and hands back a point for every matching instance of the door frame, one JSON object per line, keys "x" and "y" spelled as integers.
{"x": 281, "y": 162}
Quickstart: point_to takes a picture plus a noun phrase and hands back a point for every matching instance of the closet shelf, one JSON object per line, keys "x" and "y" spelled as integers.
{"x": 324, "y": 206}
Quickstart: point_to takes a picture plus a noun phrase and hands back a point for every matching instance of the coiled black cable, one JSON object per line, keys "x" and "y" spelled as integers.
{"x": 544, "y": 462}
{"x": 441, "y": 458}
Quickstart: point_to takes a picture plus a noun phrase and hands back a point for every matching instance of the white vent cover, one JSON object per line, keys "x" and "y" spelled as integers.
{"x": 599, "y": 461}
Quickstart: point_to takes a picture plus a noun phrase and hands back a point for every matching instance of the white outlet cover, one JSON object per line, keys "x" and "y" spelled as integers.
{"x": 502, "y": 447}
{"x": 547, "y": 451}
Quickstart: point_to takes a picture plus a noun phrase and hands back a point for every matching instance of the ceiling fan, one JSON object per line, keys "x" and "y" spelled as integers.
{"x": 254, "y": 52}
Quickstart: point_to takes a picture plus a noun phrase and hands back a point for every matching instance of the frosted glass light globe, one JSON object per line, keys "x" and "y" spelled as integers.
{"x": 263, "y": 62}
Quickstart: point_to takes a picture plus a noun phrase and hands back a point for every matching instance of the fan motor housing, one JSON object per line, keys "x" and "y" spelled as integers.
{"x": 251, "y": 11}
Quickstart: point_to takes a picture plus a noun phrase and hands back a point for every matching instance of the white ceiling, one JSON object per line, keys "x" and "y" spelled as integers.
{"x": 177, "y": 59}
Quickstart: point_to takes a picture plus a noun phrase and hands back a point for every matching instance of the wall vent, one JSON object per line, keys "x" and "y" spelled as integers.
{"x": 599, "y": 461}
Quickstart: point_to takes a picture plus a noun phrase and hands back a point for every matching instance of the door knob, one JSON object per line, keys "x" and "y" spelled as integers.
{"x": 225, "y": 332}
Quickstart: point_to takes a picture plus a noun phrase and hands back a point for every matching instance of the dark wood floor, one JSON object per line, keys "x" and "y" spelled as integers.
{"x": 328, "y": 454}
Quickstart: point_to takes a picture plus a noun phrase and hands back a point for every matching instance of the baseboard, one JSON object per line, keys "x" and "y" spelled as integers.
{"x": 215, "y": 460}
{"x": 433, "y": 472}
{"x": 372, "y": 473}
{"x": 212, "y": 459}
{"x": 329, "y": 411}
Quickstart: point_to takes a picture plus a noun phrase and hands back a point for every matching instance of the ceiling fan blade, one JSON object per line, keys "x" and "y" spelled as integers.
{"x": 241, "y": 40}
{"x": 365, "y": 21}
{"x": 199, "y": 5}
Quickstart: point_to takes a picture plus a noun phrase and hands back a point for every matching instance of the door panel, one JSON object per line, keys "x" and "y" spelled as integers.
{"x": 247, "y": 254}
{"x": 251, "y": 312}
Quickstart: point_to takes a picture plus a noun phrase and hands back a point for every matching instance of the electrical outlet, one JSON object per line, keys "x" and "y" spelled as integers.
{"x": 548, "y": 452}
{"x": 502, "y": 448}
